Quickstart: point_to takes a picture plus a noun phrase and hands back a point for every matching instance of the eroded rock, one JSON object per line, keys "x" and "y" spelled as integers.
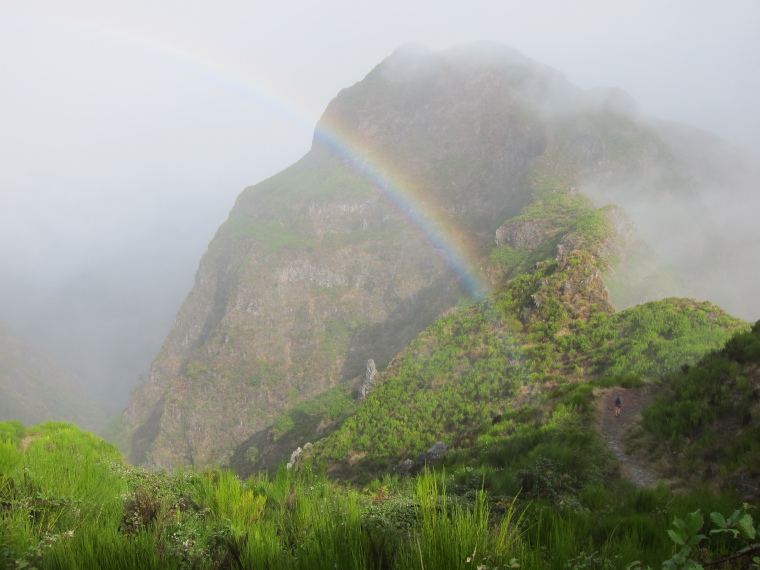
{"x": 368, "y": 383}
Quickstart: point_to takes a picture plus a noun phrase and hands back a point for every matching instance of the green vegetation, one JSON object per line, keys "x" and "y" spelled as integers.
{"x": 316, "y": 176}
{"x": 508, "y": 383}
{"x": 57, "y": 486}
{"x": 268, "y": 213}
{"x": 708, "y": 413}
{"x": 540, "y": 333}
{"x": 68, "y": 501}
{"x": 270, "y": 233}
{"x": 740, "y": 526}
{"x": 655, "y": 338}
{"x": 559, "y": 214}
{"x": 318, "y": 416}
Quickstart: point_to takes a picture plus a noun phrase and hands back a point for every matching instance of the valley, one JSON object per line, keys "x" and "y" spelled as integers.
{"x": 402, "y": 350}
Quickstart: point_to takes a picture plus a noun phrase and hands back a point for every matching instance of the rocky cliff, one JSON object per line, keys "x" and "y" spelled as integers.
{"x": 345, "y": 256}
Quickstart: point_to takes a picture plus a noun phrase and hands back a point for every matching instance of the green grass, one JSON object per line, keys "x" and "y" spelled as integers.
{"x": 708, "y": 413}
{"x": 67, "y": 500}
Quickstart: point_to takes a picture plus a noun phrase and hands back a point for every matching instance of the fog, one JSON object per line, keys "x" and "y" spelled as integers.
{"x": 128, "y": 129}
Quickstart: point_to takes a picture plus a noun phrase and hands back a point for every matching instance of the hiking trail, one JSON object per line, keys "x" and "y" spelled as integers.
{"x": 614, "y": 428}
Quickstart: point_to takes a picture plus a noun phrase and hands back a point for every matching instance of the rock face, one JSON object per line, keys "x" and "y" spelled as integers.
{"x": 347, "y": 252}
{"x": 322, "y": 264}
{"x": 282, "y": 311}
{"x": 523, "y": 233}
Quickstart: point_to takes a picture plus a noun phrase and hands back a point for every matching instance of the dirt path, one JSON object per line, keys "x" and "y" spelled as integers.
{"x": 614, "y": 428}
{"x": 27, "y": 440}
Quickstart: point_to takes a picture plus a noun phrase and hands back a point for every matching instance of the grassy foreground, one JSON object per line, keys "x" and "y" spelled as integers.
{"x": 67, "y": 500}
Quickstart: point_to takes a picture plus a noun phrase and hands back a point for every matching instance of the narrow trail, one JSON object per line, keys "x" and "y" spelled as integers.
{"x": 614, "y": 428}
{"x": 27, "y": 440}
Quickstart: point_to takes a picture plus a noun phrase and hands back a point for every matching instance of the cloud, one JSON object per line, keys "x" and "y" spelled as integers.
{"x": 129, "y": 128}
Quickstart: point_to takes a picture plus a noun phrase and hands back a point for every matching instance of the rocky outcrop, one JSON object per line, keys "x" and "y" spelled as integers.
{"x": 269, "y": 325}
{"x": 433, "y": 455}
{"x": 370, "y": 374}
{"x": 621, "y": 242}
{"x": 519, "y": 233}
{"x": 577, "y": 284}
{"x": 296, "y": 456}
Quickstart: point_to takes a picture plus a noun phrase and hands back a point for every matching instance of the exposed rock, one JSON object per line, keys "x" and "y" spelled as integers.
{"x": 370, "y": 374}
{"x": 431, "y": 456}
{"x": 436, "y": 452}
{"x": 578, "y": 285}
{"x": 519, "y": 233}
{"x": 296, "y": 455}
{"x": 404, "y": 468}
{"x": 624, "y": 228}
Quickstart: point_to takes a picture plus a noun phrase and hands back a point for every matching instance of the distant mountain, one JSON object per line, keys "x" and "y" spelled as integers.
{"x": 34, "y": 388}
{"x": 438, "y": 178}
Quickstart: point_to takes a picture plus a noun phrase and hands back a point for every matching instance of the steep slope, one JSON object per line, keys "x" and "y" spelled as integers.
{"x": 704, "y": 425}
{"x": 531, "y": 342}
{"x": 347, "y": 254}
{"x": 34, "y": 388}
{"x": 283, "y": 310}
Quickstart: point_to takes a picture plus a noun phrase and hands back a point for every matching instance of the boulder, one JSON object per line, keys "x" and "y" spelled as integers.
{"x": 432, "y": 455}
{"x": 404, "y": 468}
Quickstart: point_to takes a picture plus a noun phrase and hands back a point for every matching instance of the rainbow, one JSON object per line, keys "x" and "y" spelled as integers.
{"x": 424, "y": 214}
{"x": 263, "y": 88}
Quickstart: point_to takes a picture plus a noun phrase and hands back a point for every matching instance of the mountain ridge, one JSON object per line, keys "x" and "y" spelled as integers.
{"x": 318, "y": 269}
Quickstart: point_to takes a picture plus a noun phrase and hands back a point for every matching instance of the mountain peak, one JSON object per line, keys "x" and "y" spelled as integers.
{"x": 350, "y": 253}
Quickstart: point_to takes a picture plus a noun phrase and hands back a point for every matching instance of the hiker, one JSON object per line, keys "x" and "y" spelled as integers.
{"x": 618, "y": 404}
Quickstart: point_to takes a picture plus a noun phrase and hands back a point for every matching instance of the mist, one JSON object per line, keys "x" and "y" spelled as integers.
{"x": 702, "y": 228}
{"x": 128, "y": 131}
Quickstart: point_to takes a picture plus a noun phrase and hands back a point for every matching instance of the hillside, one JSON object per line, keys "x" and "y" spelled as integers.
{"x": 704, "y": 424}
{"x": 34, "y": 388}
{"x": 551, "y": 328}
{"x": 534, "y": 487}
{"x": 429, "y": 184}
{"x": 516, "y": 356}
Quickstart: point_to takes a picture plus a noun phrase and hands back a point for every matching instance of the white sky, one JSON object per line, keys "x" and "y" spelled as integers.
{"x": 127, "y": 129}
